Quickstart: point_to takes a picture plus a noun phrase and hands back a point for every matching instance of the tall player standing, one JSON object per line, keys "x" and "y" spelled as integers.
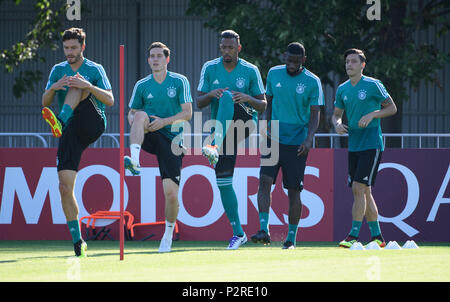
{"x": 82, "y": 90}
{"x": 365, "y": 101}
{"x": 159, "y": 102}
{"x": 294, "y": 96}
{"x": 233, "y": 88}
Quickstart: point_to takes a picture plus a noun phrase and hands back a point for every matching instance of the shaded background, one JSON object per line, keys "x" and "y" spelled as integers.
{"x": 137, "y": 23}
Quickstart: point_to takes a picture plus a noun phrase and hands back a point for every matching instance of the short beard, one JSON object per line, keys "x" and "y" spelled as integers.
{"x": 295, "y": 72}
{"x": 76, "y": 60}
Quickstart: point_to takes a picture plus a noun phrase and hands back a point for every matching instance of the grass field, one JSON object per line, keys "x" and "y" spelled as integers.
{"x": 209, "y": 261}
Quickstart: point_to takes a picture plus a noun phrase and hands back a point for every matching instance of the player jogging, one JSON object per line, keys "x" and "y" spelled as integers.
{"x": 294, "y": 96}
{"x": 160, "y": 103}
{"x": 82, "y": 90}
{"x": 365, "y": 101}
{"x": 234, "y": 90}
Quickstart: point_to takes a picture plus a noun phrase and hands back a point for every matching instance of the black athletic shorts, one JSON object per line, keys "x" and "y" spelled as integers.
{"x": 84, "y": 128}
{"x": 160, "y": 145}
{"x": 363, "y": 166}
{"x": 292, "y": 166}
{"x": 227, "y": 160}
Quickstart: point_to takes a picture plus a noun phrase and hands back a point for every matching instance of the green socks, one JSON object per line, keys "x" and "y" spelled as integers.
{"x": 264, "y": 225}
{"x": 292, "y": 233}
{"x": 374, "y": 227}
{"x": 74, "y": 228}
{"x": 230, "y": 204}
{"x": 264, "y": 222}
{"x": 356, "y": 226}
{"x": 225, "y": 113}
{"x": 65, "y": 114}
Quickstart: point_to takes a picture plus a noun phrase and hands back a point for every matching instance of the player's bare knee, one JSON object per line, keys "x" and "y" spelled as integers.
{"x": 84, "y": 94}
{"x": 65, "y": 189}
{"x": 171, "y": 196}
{"x": 140, "y": 117}
{"x": 358, "y": 188}
{"x": 73, "y": 97}
{"x": 73, "y": 91}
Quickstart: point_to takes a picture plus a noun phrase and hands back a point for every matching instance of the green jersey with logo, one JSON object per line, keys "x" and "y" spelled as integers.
{"x": 291, "y": 102}
{"x": 163, "y": 100}
{"x": 245, "y": 78}
{"x": 91, "y": 71}
{"x": 365, "y": 97}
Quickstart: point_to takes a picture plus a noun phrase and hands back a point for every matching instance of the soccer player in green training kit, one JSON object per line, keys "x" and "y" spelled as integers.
{"x": 233, "y": 88}
{"x": 294, "y": 96}
{"x": 159, "y": 105}
{"x": 82, "y": 89}
{"x": 365, "y": 101}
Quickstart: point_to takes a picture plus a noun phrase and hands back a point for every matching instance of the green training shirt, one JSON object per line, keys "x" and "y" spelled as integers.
{"x": 365, "y": 97}
{"x": 245, "y": 78}
{"x": 291, "y": 102}
{"x": 91, "y": 71}
{"x": 162, "y": 100}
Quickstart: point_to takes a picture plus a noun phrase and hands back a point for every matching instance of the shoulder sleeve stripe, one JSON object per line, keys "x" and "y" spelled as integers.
{"x": 202, "y": 73}
{"x": 104, "y": 77}
{"x": 380, "y": 87}
{"x": 343, "y": 83}
{"x": 319, "y": 84}
{"x": 278, "y": 67}
{"x": 136, "y": 86}
{"x": 102, "y": 72}
{"x": 258, "y": 74}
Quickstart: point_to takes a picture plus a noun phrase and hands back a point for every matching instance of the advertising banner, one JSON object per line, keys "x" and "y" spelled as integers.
{"x": 411, "y": 192}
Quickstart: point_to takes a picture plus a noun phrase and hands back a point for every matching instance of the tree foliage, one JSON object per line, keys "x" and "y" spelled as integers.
{"x": 328, "y": 27}
{"x": 45, "y": 33}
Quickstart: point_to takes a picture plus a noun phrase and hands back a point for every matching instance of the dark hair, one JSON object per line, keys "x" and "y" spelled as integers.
{"x": 230, "y": 34}
{"x": 166, "y": 49}
{"x": 359, "y": 52}
{"x": 74, "y": 33}
{"x": 296, "y": 48}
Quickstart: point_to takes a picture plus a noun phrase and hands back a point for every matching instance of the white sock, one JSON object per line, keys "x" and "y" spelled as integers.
{"x": 168, "y": 232}
{"x": 135, "y": 150}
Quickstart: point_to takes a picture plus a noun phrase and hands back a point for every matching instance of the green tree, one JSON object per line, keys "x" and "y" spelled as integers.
{"x": 45, "y": 33}
{"x": 328, "y": 27}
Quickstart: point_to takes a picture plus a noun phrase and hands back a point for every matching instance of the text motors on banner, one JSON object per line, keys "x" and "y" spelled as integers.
{"x": 412, "y": 197}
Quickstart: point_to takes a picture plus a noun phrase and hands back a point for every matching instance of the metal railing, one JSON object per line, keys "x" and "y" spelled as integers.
{"x": 402, "y": 136}
{"x": 12, "y": 135}
{"x": 46, "y": 140}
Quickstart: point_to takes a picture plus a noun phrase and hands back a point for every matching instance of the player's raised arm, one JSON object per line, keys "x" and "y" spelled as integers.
{"x": 184, "y": 115}
{"x": 204, "y": 99}
{"x": 258, "y": 102}
{"x": 158, "y": 101}
{"x": 49, "y": 93}
{"x": 103, "y": 95}
{"x": 80, "y": 122}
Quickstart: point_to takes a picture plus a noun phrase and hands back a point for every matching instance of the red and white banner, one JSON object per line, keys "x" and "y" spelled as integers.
{"x": 31, "y": 209}
{"x": 413, "y": 198}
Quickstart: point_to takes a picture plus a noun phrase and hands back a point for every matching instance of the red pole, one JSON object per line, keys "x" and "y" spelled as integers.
{"x": 122, "y": 151}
